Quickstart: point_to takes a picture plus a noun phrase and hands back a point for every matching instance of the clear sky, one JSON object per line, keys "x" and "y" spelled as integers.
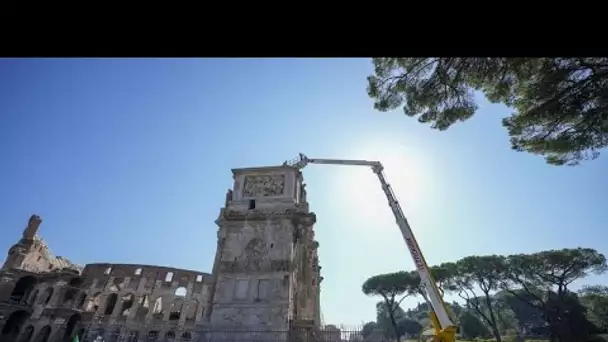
{"x": 128, "y": 161}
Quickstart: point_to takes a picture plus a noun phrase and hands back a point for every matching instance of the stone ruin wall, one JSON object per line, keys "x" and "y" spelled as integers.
{"x": 147, "y": 297}
{"x": 32, "y": 254}
{"x": 108, "y": 298}
{"x": 265, "y": 275}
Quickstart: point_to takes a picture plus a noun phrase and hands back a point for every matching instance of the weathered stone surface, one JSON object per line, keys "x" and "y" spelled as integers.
{"x": 267, "y": 245}
{"x": 265, "y": 275}
{"x": 260, "y": 266}
{"x": 264, "y": 185}
{"x": 251, "y": 315}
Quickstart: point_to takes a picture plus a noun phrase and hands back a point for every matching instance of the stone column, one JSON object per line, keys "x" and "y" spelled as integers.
{"x": 7, "y": 284}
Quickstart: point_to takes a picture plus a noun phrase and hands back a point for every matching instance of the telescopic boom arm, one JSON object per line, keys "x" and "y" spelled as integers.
{"x": 444, "y": 328}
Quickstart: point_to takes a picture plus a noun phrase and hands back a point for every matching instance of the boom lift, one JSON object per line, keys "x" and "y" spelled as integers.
{"x": 444, "y": 329}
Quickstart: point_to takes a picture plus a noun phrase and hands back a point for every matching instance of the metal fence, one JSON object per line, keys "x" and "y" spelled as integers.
{"x": 322, "y": 334}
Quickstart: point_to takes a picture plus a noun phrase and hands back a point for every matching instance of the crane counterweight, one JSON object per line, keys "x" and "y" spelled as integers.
{"x": 444, "y": 329}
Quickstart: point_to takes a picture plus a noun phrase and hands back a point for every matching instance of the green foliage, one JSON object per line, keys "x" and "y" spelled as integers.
{"x": 385, "y": 316}
{"x": 384, "y": 323}
{"x": 389, "y": 285}
{"x": 561, "y": 104}
{"x": 544, "y": 277}
{"x": 455, "y": 308}
{"x": 527, "y": 317}
{"x": 568, "y": 317}
{"x": 506, "y": 321}
{"x": 560, "y": 268}
{"x": 540, "y": 273}
{"x": 526, "y": 293}
{"x": 485, "y": 271}
{"x": 478, "y": 272}
{"x": 471, "y": 326}
{"x": 442, "y": 275}
{"x": 409, "y": 326}
{"x": 420, "y": 313}
{"x": 595, "y": 299}
{"x": 368, "y": 329}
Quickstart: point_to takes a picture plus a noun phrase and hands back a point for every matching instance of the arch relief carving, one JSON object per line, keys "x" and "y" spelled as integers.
{"x": 264, "y": 185}
{"x": 253, "y": 254}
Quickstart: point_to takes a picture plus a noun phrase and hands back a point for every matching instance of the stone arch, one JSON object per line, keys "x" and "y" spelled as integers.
{"x": 153, "y": 335}
{"x": 32, "y": 298}
{"x": 143, "y": 308}
{"x": 44, "y": 334}
{"x": 133, "y": 336}
{"x": 170, "y": 336}
{"x": 13, "y": 325}
{"x": 126, "y": 304}
{"x": 27, "y": 334}
{"x": 176, "y": 309}
{"x": 71, "y": 291}
{"x": 118, "y": 284}
{"x": 93, "y": 303}
{"x": 70, "y": 329}
{"x": 82, "y": 298}
{"x": 191, "y": 309}
{"x": 158, "y": 306}
{"x": 46, "y": 296}
{"x": 110, "y": 303}
{"x": 23, "y": 288}
{"x": 76, "y": 282}
{"x": 181, "y": 292}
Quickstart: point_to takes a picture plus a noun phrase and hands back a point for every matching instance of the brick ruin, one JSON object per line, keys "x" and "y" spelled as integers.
{"x": 265, "y": 278}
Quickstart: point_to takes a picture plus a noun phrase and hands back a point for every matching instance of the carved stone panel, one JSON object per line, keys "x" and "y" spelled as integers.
{"x": 241, "y": 288}
{"x": 255, "y": 251}
{"x": 264, "y": 186}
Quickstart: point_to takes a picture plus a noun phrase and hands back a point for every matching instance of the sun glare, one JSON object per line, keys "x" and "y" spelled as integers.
{"x": 404, "y": 171}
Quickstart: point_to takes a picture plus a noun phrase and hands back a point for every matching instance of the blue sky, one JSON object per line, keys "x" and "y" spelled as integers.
{"x": 128, "y": 161}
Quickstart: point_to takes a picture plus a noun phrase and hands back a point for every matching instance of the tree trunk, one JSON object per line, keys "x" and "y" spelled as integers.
{"x": 495, "y": 330}
{"x": 549, "y": 320}
{"x": 496, "y": 334}
{"x": 394, "y": 324}
{"x": 562, "y": 322}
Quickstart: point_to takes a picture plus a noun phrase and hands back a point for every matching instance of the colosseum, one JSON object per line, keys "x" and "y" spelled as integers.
{"x": 265, "y": 279}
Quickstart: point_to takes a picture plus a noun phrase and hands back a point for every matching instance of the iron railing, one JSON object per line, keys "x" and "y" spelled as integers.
{"x": 321, "y": 334}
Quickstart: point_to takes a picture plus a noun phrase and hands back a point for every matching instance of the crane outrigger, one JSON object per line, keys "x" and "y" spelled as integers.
{"x": 444, "y": 329}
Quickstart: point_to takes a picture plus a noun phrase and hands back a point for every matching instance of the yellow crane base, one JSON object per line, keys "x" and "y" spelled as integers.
{"x": 437, "y": 334}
